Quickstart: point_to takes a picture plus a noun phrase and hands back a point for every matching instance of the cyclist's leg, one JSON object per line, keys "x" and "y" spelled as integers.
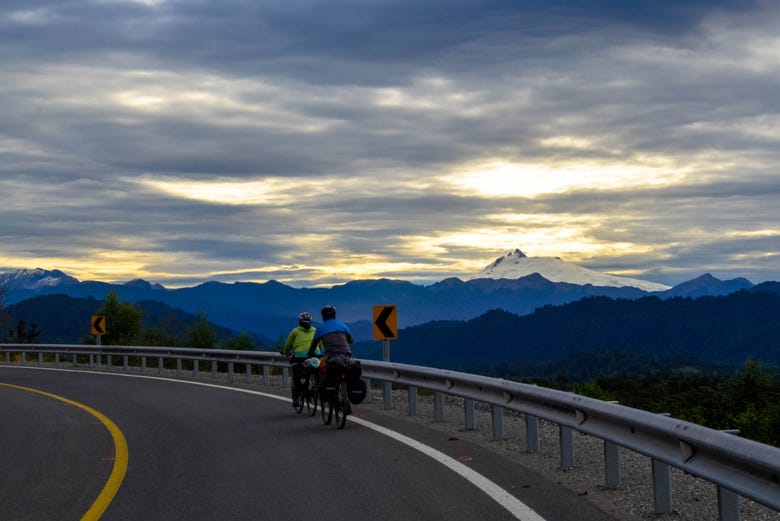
{"x": 297, "y": 384}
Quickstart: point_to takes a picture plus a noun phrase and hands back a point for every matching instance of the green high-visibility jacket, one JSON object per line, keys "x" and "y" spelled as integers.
{"x": 298, "y": 342}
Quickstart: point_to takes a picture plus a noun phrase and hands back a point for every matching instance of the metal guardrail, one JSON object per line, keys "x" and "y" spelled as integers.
{"x": 738, "y": 466}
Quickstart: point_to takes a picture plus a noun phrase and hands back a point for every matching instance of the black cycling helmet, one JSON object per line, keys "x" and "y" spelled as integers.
{"x": 328, "y": 312}
{"x": 304, "y": 319}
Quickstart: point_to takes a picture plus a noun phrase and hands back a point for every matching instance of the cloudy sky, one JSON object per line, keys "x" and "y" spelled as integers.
{"x": 316, "y": 142}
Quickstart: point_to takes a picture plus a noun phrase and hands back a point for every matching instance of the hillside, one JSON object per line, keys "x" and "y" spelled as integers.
{"x": 722, "y": 330}
{"x": 63, "y": 319}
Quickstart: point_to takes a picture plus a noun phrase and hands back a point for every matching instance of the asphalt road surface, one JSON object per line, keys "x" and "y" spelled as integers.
{"x": 208, "y": 452}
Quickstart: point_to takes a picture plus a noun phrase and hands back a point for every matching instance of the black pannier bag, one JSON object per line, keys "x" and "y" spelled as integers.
{"x": 327, "y": 390}
{"x": 331, "y": 376}
{"x": 356, "y": 388}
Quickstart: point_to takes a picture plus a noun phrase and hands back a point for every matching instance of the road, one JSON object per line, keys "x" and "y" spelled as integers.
{"x": 209, "y": 452}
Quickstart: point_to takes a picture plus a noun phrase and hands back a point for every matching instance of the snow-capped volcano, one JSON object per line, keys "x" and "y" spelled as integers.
{"x": 516, "y": 265}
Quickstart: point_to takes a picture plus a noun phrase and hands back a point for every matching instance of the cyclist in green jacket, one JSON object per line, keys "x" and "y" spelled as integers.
{"x": 297, "y": 348}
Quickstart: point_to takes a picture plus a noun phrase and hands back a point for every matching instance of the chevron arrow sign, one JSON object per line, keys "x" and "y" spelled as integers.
{"x": 385, "y": 322}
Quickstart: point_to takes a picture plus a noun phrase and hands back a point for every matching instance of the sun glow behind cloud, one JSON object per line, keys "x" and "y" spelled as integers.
{"x": 512, "y": 179}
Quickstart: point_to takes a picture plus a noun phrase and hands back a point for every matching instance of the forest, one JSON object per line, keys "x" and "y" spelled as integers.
{"x": 601, "y": 336}
{"x": 748, "y": 401}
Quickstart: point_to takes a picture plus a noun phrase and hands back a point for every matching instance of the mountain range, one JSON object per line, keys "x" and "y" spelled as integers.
{"x": 515, "y": 283}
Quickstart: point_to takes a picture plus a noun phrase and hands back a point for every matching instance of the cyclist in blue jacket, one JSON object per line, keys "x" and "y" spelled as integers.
{"x": 334, "y": 335}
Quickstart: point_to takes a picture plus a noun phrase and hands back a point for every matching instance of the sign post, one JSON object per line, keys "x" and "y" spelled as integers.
{"x": 385, "y": 329}
{"x": 98, "y": 329}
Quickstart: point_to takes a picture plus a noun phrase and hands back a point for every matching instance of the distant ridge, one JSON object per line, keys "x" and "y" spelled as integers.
{"x": 707, "y": 285}
{"x": 516, "y": 265}
{"x": 270, "y": 309}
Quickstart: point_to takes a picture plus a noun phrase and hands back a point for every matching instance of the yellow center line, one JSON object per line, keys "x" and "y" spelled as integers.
{"x": 120, "y": 455}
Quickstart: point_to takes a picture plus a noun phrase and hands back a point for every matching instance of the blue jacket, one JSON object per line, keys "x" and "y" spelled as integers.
{"x": 335, "y": 337}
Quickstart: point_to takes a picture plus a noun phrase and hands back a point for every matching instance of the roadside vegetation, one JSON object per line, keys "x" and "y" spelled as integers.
{"x": 748, "y": 401}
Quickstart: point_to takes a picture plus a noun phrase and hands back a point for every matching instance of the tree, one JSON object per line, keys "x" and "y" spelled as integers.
{"x": 24, "y": 334}
{"x": 3, "y": 315}
{"x": 593, "y": 390}
{"x": 201, "y": 334}
{"x": 753, "y": 385}
{"x": 242, "y": 342}
{"x": 156, "y": 336}
{"x": 123, "y": 321}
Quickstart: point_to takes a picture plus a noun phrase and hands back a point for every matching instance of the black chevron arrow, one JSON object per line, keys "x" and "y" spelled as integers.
{"x": 382, "y": 318}
{"x": 97, "y": 325}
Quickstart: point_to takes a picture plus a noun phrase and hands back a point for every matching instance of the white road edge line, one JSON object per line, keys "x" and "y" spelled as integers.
{"x": 516, "y": 507}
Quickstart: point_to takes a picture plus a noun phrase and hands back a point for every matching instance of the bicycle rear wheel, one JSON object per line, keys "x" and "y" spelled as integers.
{"x": 342, "y": 405}
{"x": 326, "y": 408}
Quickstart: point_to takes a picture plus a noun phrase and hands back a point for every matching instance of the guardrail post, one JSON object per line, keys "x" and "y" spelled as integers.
{"x": 412, "y": 400}
{"x": 56, "y": 359}
{"x": 143, "y": 364}
{"x": 438, "y": 406}
{"x": 728, "y": 505}
{"x": 267, "y": 376}
{"x": 531, "y": 433}
{"x": 196, "y": 368}
{"x": 368, "y": 389}
{"x": 126, "y": 362}
{"x": 24, "y": 358}
{"x": 566, "y": 436}
{"x": 248, "y": 370}
{"x": 214, "y": 369}
{"x": 109, "y": 362}
{"x": 728, "y": 501}
{"x": 387, "y": 395}
{"x": 230, "y": 372}
{"x": 498, "y": 422}
{"x": 40, "y": 358}
{"x": 471, "y": 417}
{"x": 178, "y": 367}
{"x": 159, "y": 365}
{"x": 662, "y": 487}
{"x": 611, "y": 465}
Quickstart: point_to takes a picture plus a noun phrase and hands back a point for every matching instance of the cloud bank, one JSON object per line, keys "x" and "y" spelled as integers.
{"x": 317, "y": 142}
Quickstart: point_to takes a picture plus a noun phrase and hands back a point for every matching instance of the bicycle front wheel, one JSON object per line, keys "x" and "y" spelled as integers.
{"x": 312, "y": 395}
{"x": 299, "y": 407}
